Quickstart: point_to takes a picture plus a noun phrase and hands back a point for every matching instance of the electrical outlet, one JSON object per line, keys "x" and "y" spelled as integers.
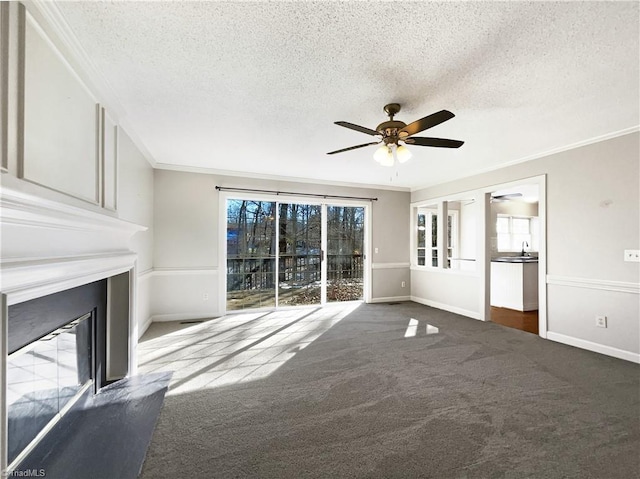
{"x": 375, "y": 250}
{"x": 601, "y": 321}
{"x": 205, "y": 296}
{"x": 403, "y": 284}
{"x": 632, "y": 255}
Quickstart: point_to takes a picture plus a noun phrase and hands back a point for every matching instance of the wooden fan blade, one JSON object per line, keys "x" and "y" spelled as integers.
{"x": 352, "y": 148}
{"x": 427, "y": 122}
{"x": 437, "y": 142}
{"x": 359, "y": 128}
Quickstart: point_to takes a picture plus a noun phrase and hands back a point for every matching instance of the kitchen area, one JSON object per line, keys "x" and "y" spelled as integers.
{"x": 514, "y": 244}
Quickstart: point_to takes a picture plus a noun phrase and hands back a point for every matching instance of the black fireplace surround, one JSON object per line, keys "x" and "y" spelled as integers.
{"x": 67, "y": 334}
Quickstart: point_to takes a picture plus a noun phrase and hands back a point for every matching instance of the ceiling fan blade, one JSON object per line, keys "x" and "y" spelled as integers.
{"x": 438, "y": 142}
{"x": 506, "y": 197}
{"x": 427, "y": 122}
{"x": 352, "y": 148}
{"x": 359, "y": 128}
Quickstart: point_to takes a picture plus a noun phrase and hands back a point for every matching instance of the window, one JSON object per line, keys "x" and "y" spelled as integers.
{"x": 427, "y": 237}
{"x": 517, "y": 233}
{"x": 427, "y": 244}
{"x": 421, "y": 238}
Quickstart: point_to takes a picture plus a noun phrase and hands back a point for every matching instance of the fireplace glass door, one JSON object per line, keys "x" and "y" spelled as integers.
{"x": 43, "y": 377}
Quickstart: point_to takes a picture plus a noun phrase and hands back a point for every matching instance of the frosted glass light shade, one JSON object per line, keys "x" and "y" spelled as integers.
{"x": 403, "y": 154}
{"x": 387, "y": 160}
{"x": 381, "y": 153}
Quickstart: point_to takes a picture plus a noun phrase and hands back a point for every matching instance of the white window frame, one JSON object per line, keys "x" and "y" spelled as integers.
{"x": 429, "y": 214}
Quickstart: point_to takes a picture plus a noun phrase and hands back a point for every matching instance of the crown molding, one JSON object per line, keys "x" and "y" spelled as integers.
{"x": 572, "y": 146}
{"x": 263, "y": 176}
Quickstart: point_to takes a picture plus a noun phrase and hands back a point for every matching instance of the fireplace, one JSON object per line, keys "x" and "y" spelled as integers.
{"x": 56, "y": 354}
{"x": 67, "y": 313}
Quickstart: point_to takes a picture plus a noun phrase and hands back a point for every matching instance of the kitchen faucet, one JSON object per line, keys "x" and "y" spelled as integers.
{"x": 523, "y": 252}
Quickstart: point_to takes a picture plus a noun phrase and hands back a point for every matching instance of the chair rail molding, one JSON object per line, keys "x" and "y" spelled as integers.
{"x": 599, "y": 284}
{"x": 390, "y": 265}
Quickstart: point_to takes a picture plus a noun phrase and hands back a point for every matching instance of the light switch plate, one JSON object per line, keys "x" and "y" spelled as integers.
{"x": 632, "y": 255}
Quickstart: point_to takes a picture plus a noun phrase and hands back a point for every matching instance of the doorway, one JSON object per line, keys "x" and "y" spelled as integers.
{"x": 291, "y": 253}
{"x": 516, "y": 245}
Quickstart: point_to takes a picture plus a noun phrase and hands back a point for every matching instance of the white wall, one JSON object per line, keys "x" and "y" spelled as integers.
{"x": 593, "y": 215}
{"x": 186, "y": 254}
{"x": 135, "y": 204}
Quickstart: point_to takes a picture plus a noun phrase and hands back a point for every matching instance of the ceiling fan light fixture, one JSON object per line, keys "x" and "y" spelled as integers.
{"x": 381, "y": 153}
{"x": 403, "y": 154}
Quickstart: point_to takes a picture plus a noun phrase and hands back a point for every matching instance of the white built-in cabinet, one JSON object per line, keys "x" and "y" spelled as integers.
{"x": 514, "y": 285}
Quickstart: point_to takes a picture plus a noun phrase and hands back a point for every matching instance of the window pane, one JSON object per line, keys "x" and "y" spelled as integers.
{"x": 434, "y": 230}
{"x": 502, "y": 225}
{"x": 421, "y": 231}
{"x": 520, "y": 226}
{"x": 251, "y": 253}
{"x": 299, "y": 254}
{"x": 504, "y": 242}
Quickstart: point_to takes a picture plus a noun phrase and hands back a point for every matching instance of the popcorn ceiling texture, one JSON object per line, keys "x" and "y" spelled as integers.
{"x": 256, "y": 86}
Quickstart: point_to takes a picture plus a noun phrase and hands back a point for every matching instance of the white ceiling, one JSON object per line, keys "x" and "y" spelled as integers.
{"x": 255, "y": 87}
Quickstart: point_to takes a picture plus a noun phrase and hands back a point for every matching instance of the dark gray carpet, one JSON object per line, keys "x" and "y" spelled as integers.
{"x": 476, "y": 400}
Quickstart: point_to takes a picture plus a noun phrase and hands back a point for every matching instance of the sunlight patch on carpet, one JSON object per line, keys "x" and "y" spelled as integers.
{"x": 236, "y": 348}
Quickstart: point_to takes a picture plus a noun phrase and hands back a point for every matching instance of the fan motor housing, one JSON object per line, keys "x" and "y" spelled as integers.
{"x": 389, "y": 130}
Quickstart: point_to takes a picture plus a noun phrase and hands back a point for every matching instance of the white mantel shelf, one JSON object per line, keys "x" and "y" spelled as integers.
{"x": 39, "y": 231}
{"x": 20, "y": 208}
{"x": 23, "y": 280}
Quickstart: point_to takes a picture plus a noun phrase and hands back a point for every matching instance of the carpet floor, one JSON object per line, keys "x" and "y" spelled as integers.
{"x": 386, "y": 391}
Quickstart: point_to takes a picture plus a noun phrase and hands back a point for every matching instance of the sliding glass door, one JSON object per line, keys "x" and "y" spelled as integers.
{"x": 345, "y": 253}
{"x": 292, "y": 254}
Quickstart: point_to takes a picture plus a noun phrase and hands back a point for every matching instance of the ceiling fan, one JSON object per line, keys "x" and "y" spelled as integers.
{"x": 498, "y": 198}
{"x": 392, "y": 134}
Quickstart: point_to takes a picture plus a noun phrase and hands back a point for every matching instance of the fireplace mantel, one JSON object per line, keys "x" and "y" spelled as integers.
{"x": 35, "y": 228}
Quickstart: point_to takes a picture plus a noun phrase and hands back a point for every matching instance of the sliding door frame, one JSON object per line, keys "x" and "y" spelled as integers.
{"x": 223, "y": 199}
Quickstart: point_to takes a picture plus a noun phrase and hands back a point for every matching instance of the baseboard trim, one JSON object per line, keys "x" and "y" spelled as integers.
{"x": 390, "y": 298}
{"x": 144, "y": 326}
{"x": 595, "y": 347}
{"x": 159, "y": 318}
{"x": 447, "y": 307}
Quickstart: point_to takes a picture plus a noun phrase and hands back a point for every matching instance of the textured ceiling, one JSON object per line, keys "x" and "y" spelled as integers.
{"x": 255, "y": 87}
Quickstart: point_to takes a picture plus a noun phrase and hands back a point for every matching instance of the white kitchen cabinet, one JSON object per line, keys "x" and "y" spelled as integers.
{"x": 514, "y": 285}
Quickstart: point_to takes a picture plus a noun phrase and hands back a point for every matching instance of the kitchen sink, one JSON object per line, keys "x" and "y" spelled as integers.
{"x": 516, "y": 259}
